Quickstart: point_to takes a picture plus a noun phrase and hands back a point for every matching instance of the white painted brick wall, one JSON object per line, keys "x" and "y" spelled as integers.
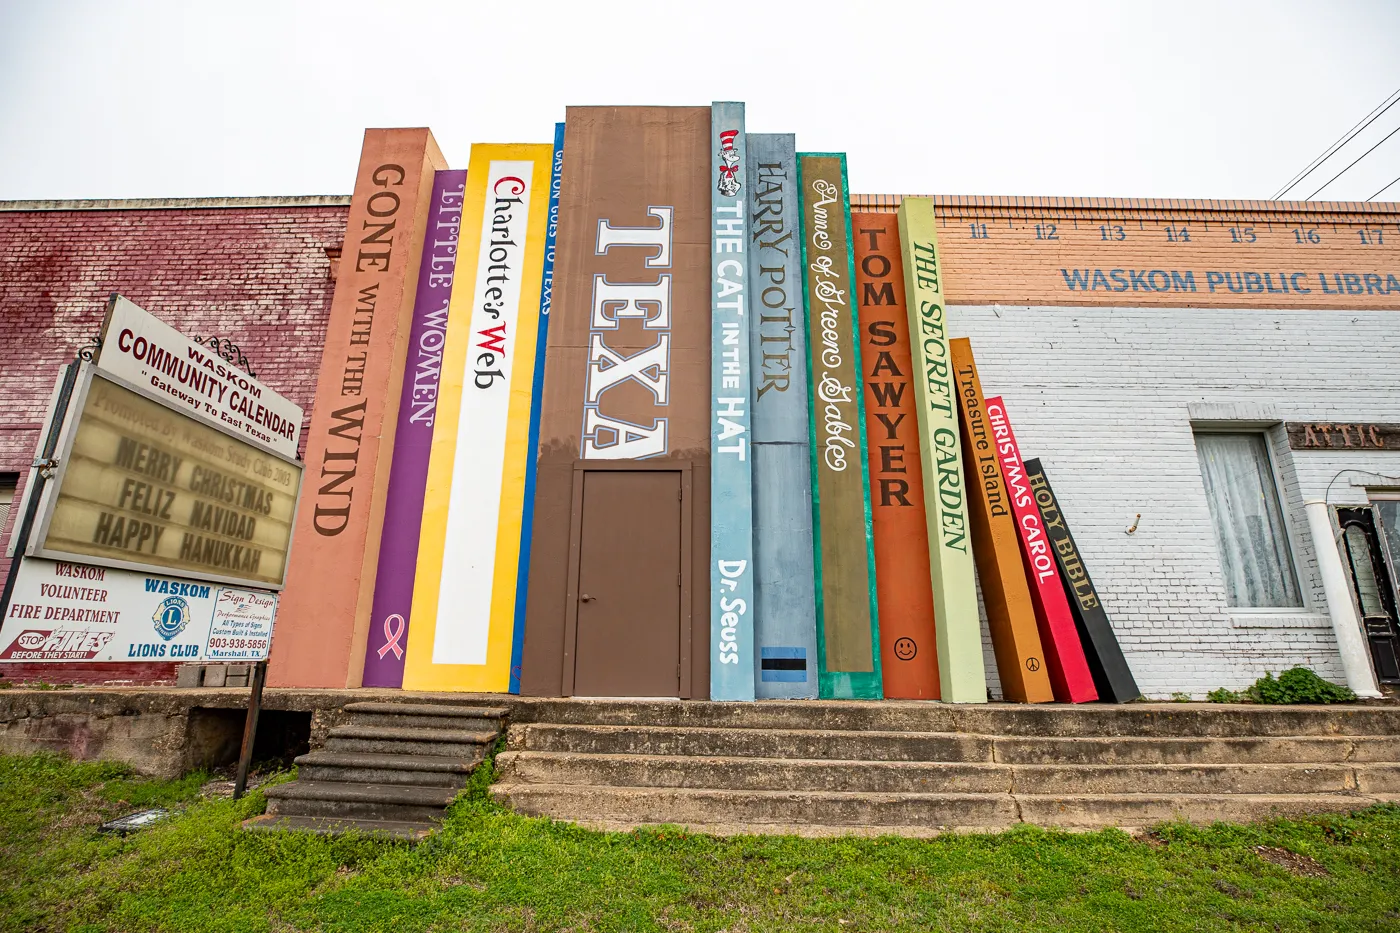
{"x": 1105, "y": 397}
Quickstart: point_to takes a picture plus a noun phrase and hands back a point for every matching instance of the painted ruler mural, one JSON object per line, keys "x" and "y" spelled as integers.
{"x": 469, "y": 549}
{"x": 731, "y": 480}
{"x": 1064, "y": 655}
{"x": 408, "y": 477}
{"x": 1007, "y": 598}
{"x": 847, "y": 611}
{"x": 908, "y": 645}
{"x": 1141, "y": 252}
{"x": 1112, "y": 676}
{"x": 962, "y": 678}
{"x": 785, "y": 630}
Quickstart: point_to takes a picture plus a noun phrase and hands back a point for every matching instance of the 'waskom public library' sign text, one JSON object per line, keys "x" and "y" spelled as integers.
{"x": 174, "y": 488}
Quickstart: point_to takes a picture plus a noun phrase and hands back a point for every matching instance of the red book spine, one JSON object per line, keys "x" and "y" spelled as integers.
{"x": 1064, "y": 653}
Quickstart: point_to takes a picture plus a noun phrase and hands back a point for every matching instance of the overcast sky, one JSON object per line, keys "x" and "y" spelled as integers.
{"x": 110, "y": 99}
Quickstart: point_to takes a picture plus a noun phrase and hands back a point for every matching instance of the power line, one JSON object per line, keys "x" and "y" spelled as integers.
{"x": 1353, "y": 162}
{"x": 1374, "y": 196}
{"x": 1347, "y": 137}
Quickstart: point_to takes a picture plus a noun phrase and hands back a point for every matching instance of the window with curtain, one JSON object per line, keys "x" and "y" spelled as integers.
{"x": 1249, "y": 529}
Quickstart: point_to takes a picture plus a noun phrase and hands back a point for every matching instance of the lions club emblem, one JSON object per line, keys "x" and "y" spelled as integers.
{"x": 171, "y": 617}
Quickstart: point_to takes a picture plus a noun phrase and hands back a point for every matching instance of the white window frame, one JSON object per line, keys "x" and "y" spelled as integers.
{"x": 1254, "y": 615}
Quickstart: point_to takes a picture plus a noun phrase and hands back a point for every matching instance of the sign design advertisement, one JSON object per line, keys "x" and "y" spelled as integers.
{"x": 962, "y": 678}
{"x": 143, "y": 486}
{"x": 848, "y": 622}
{"x": 469, "y": 547}
{"x": 76, "y": 612}
{"x": 731, "y": 480}
{"x": 908, "y": 645}
{"x": 785, "y": 599}
{"x": 141, "y": 349}
{"x": 403, "y": 512}
{"x": 611, "y": 430}
{"x": 1064, "y": 656}
{"x": 1005, "y": 594}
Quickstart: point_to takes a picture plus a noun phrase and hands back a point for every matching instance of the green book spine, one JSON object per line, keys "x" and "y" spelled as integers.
{"x": 961, "y": 673}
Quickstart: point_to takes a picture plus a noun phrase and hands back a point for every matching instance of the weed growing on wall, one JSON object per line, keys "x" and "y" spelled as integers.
{"x": 1295, "y": 685}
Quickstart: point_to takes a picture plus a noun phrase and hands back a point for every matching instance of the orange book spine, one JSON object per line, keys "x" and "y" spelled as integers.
{"x": 908, "y": 650}
{"x": 995, "y": 545}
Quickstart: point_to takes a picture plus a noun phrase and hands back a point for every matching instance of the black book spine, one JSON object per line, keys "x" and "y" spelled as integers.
{"x": 1112, "y": 676}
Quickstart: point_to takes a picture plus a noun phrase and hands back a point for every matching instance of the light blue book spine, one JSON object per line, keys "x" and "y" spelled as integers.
{"x": 785, "y": 662}
{"x": 731, "y": 441}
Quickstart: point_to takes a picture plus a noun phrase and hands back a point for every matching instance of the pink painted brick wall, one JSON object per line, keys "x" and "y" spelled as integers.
{"x": 259, "y": 275}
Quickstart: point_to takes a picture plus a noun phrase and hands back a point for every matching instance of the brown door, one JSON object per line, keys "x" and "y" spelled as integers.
{"x": 628, "y": 641}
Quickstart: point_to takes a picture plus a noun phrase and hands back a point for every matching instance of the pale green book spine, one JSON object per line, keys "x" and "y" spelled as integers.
{"x": 962, "y": 675}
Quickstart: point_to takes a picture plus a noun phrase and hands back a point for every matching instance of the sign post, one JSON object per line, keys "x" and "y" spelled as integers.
{"x": 250, "y": 729}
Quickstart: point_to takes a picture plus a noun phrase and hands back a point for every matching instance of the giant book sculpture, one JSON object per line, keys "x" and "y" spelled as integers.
{"x": 785, "y": 610}
{"x": 848, "y": 629}
{"x": 1112, "y": 676}
{"x": 962, "y": 678}
{"x": 1007, "y": 598}
{"x": 908, "y": 645}
{"x": 1064, "y": 655}
{"x": 731, "y": 480}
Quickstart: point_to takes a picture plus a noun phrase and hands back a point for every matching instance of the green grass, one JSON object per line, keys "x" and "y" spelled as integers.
{"x": 492, "y": 870}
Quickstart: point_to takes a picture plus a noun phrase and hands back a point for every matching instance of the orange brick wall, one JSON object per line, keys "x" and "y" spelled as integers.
{"x": 1104, "y": 251}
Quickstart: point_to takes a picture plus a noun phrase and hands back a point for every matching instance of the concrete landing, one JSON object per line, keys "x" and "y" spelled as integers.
{"x": 918, "y": 769}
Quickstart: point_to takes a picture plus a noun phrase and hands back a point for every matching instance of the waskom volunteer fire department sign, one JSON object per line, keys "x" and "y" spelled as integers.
{"x": 77, "y": 612}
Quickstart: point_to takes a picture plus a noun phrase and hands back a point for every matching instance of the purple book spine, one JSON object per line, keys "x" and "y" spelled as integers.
{"x": 408, "y": 476}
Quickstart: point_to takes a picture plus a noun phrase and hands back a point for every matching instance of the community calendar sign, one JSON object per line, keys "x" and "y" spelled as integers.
{"x": 144, "y": 487}
{"x": 61, "y": 611}
{"x": 144, "y": 351}
{"x": 147, "y": 481}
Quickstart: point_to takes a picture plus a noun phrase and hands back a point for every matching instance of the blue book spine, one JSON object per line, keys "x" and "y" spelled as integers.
{"x": 731, "y": 441}
{"x": 785, "y": 664}
{"x": 527, "y": 524}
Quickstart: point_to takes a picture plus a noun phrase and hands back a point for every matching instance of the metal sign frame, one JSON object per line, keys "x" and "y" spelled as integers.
{"x": 48, "y": 498}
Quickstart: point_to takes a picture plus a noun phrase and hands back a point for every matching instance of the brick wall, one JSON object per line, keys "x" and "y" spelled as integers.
{"x": 1107, "y": 397}
{"x": 257, "y": 271}
{"x": 1171, "y": 254}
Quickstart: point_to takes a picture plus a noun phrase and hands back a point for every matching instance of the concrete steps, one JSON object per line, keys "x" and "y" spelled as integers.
{"x": 369, "y": 768}
{"x": 1089, "y": 720}
{"x": 329, "y": 826}
{"x": 922, "y": 768}
{"x": 940, "y": 777}
{"x": 392, "y": 769}
{"x": 700, "y": 808}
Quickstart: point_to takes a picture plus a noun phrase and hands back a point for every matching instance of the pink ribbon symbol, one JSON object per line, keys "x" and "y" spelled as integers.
{"x": 393, "y": 635}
